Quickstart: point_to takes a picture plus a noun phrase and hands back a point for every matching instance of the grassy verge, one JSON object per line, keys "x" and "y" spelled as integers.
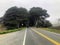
{"x": 9, "y": 31}
{"x": 51, "y": 30}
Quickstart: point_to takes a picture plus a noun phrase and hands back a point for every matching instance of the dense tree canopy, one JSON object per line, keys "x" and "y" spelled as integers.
{"x": 18, "y": 17}
{"x": 38, "y": 14}
{"x": 9, "y": 19}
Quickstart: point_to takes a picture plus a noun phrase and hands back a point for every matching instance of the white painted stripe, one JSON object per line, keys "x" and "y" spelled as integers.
{"x": 25, "y": 37}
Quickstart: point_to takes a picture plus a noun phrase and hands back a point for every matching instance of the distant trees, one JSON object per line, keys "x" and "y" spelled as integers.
{"x": 44, "y": 23}
{"x": 22, "y": 15}
{"x": 38, "y": 16}
{"x": 9, "y": 19}
{"x": 15, "y": 17}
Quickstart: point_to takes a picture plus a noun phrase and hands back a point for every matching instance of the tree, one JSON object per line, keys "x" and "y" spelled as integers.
{"x": 9, "y": 19}
{"x": 22, "y": 15}
{"x": 44, "y": 23}
{"x": 14, "y": 17}
{"x": 47, "y": 24}
{"x": 38, "y": 15}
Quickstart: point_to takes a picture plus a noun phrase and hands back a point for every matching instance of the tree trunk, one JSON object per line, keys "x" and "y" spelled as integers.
{"x": 18, "y": 25}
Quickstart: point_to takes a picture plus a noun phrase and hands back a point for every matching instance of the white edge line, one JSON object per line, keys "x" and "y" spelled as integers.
{"x": 25, "y": 37}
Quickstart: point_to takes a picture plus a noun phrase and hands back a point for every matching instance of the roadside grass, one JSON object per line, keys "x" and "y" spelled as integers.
{"x": 50, "y": 29}
{"x": 13, "y": 30}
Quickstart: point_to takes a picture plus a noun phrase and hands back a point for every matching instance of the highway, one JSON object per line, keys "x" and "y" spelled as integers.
{"x": 31, "y": 36}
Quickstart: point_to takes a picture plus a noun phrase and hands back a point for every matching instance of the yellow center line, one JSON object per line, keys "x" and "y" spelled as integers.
{"x": 51, "y": 40}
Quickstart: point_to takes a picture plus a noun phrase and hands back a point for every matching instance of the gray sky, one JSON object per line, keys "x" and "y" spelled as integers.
{"x": 53, "y": 6}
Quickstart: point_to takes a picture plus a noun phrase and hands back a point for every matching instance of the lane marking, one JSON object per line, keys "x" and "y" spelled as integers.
{"x": 51, "y": 40}
{"x": 25, "y": 37}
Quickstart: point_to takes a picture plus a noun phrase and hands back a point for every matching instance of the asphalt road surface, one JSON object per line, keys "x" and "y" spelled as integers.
{"x": 31, "y": 37}
{"x": 15, "y": 38}
{"x": 41, "y": 37}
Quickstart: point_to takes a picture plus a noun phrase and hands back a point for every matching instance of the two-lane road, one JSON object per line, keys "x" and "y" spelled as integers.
{"x": 30, "y": 36}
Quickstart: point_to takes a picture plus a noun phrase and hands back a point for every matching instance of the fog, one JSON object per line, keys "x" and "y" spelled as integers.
{"x": 52, "y": 6}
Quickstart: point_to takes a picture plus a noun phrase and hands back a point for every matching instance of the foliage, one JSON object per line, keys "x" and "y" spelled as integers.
{"x": 14, "y": 16}
{"x": 51, "y": 30}
{"x": 38, "y": 16}
{"x": 9, "y": 31}
{"x": 18, "y": 17}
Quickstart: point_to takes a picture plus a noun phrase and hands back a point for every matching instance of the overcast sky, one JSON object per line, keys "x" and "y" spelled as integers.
{"x": 53, "y": 6}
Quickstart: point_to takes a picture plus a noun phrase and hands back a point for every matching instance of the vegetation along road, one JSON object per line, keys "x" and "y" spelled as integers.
{"x": 30, "y": 36}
